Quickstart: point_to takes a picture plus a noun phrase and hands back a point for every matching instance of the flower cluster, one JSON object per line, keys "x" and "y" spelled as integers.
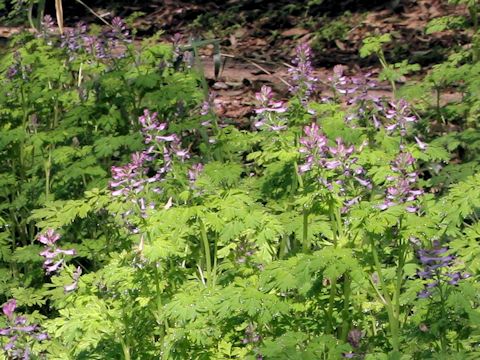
{"x": 151, "y": 127}
{"x": 75, "y": 276}
{"x": 313, "y": 144}
{"x": 354, "y": 338}
{"x": 342, "y": 173}
{"x": 17, "y": 69}
{"x": 20, "y": 334}
{"x": 108, "y": 45}
{"x": 401, "y": 186}
{"x": 119, "y": 30}
{"x": 437, "y": 264}
{"x": 129, "y": 178}
{"x": 354, "y": 88}
{"x": 251, "y": 335}
{"x": 72, "y": 38}
{"x": 194, "y": 172}
{"x": 338, "y": 157}
{"x": 47, "y": 28}
{"x": 399, "y": 115}
{"x": 302, "y": 73}
{"x": 267, "y": 111}
{"x": 54, "y": 256}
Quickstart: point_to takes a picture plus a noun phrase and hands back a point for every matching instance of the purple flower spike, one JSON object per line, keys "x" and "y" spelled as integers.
{"x": 302, "y": 73}
{"x": 401, "y": 189}
{"x": 9, "y": 308}
{"x": 194, "y": 171}
{"x": 314, "y": 141}
{"x": 437, "y": 269}
{"x": 74, "y": 285}
{"x": 268, "y": 110}
{"x": 54, "y": 256}
{"x": 399, "y": 115}
{"x": 49, "y": 238}
{"x": 354, "y": 337}
{"x": 119, "y": 28}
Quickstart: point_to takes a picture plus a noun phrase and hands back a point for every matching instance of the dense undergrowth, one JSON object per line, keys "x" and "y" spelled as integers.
{"x": 135, "y": 224}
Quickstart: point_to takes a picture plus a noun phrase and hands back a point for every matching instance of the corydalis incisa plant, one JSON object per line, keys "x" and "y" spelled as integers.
{"x": 19, "y": 334}
{"x": 132, "y": 182}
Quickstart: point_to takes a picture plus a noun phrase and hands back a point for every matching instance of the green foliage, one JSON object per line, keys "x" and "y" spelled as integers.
{"x": 212, "y": 242}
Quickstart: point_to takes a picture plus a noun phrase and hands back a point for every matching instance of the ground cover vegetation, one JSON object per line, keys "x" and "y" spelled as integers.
{"x": 137, "y": 224}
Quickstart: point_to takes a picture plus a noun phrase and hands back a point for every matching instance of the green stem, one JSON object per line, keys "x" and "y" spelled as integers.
{"x": 206, "y": 249}
{"x": 125, "y": 349}
{"x": 331, "y": 303}
{"x": 399, "y": 277}
{"x": 337, "y": 232}
{"x": 443, "y": 339}
{"x": 393, "y": 321}
{"x": 305, "y": 240}
{"x": 298, "y": 176}
{"x": 48, "y": 166}
{"x": 384, "y": 63}
{"x": 347, "y": 289}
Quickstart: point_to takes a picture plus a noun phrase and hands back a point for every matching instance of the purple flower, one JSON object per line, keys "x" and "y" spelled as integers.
{"x": 354, "y": 337}
{"x": 74, "y": 285}
{"x": 251, "y": 335}
{"x": 19, "y": 333}
{"x": 95, "y": 46}
{"x": 421, "y": 145}
{"x": 151, "y": 127}
{"x": 338, "y": 158}
{"x": 9, "y": 308}
{"x": 119, "y": 28}
{"x": 49, "y": 238}
{"x": 17, "y": 69}
{"x": 399, "y": 115}
{"x": 436, "y": 266}
{"x": 51, "y": 252}
{"x": 194, "y": 171}
{"x": 73, "y": 39}
{"x": 302, "y": 73}
{"x": 314, "y": 142}
{"x": 424, "y": 294}
{"x": 269, "y": 110}
{"x": 401, "y": 189}
{"x": 47, "y": 27}
{"x": 265, "y": 97}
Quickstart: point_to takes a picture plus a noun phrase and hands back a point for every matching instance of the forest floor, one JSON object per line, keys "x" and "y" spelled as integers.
{"x": 258, "y": 38}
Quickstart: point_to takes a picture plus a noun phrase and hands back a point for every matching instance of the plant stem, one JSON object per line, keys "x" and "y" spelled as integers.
{"x": 384, "y": 63}
{"x": 399, "y": 277}
{"x": 331, "y": 303}
{"x": 125, "y": 349}
{"x": 392, "y": 319}
{"x": 443, "y": 340}
{"x": 305, "y": 240}
{"x": 346, "y": 305}
{"x": 206, "y": 249}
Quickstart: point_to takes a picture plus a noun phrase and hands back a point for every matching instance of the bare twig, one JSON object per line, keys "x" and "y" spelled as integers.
{"x": 258, "y": 67}
{"x": 93, "y": 12}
